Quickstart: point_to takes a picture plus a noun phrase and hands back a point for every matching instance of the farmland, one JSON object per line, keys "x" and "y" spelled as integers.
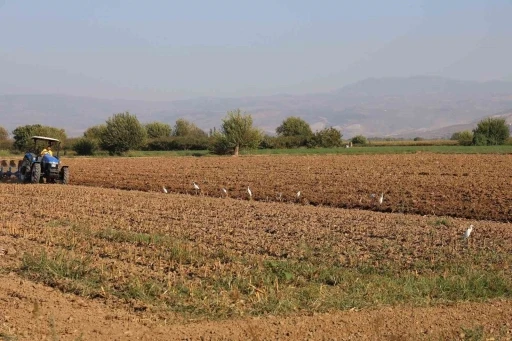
{"x": 470, "y": 186}
{"x": 112, "y": 257}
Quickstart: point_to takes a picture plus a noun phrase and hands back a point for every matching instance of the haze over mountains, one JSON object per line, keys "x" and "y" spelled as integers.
{"x": 403, "y": 107}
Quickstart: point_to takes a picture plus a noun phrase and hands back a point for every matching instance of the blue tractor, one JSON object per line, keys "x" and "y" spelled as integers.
{"x": 40, "y": 164}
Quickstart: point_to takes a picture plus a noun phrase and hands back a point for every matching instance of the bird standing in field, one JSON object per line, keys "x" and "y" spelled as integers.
{"x": 468, "y": 232}
{"x": 298, "y": 194}
{"x": 225, "y": 191}
{"x": 249, "y": 192}
{"x": 196, "y": 187}
{"x": 381, "y": 198}
{"x": 164, "y": 190}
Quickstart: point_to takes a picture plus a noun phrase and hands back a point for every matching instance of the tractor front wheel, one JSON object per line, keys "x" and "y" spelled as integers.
{"x": 65, "y": 175}
{"x": 36, "y": 173}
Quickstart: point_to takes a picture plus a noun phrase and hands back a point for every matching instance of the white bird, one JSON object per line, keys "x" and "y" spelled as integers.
{"x": 249, "y": 192}
{"x": 381, "y": 198}
{"x": 468, "y": 232}
{"x": 196, "y": 188}
{"x": 164, "y": 189}
{"x": 225, "y": 191}
{"x": 298, "y": 194}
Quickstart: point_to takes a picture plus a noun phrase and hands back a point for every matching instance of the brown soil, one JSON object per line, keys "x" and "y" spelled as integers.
{"x": 469, "y": 186}
{"x": 31, "y": 311}
{"x": 72, "y": 218}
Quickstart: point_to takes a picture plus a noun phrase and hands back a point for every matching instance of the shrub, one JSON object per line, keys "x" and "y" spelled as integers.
{"x": 455, "y": 136}
{"x": 326, "y": 138}
{"x": 220, "y": 145}
{"x": 284, "y": 142}
{"x": 179, "y": 143}
{"x": 158, "y": 129}
{"x": 4, "y": 134}
{"x": 359, "y": 139}
{"x": 268, "y": 142}
{"x": 95, "y": 132}
{"x": 479, "y": 139}
{"x": 186, "y": 128}
{"x": 465, "y": 138}
{"x": 6, "y": 144}
{"x": 85, "y": 146}
{"x": 495, "y": 130}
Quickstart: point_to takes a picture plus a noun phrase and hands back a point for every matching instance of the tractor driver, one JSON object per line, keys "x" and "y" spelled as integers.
{"x": 47, "y": 150}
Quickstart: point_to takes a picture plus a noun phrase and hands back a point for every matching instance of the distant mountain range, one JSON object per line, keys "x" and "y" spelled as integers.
{"x": 416, "y": 106}
{"x": 447, "y": 132}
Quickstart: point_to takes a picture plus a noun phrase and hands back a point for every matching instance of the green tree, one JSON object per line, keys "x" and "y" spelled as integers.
{"x": 237, "y": 132}
{"x": 220, "y": 144}
{"x": 294, "y": 126}
{"x": 186, "y": 128}
{"x": 359, "y": 139}
{"x": 85, "y": 146}
{"x": 5, "y": 143}
{"x": 455, "y": 136}
{"x": 95, "y": 132}
{"x": 123, "y": 132}
{"x": 495, "y": 130}
{"x": 158, "y": 129}
{"x": 479, "y": 140}
{"x": 294, "y": 132}
{"x": 22, "y": 134}
{"x": 328, "y": 138}
{"x": 4, "y": 134}
{"x": 465, "y": 137}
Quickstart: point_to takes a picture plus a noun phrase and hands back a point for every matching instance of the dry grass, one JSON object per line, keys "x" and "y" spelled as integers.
{"x": 216, "y": 258}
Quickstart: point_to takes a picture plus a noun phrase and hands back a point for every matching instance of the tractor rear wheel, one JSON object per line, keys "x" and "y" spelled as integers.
{"x": 65, "y": 175}
{"x": 36, "y": 173}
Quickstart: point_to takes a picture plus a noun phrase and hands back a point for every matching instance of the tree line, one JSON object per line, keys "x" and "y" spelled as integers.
{"x": 123, "y": 132}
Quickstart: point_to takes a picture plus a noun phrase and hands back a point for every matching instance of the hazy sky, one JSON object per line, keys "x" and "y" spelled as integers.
{"x": 165, "y": 50}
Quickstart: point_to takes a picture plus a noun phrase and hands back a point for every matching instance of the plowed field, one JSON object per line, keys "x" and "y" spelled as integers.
{"x": 94, "y": 263}
{"x": 469, "y": 186}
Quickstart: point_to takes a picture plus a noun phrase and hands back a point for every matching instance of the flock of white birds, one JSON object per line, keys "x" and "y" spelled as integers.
{"x": 249, "y": 192}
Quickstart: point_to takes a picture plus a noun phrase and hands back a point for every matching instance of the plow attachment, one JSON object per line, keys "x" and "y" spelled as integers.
{"x": 9, "y": 170}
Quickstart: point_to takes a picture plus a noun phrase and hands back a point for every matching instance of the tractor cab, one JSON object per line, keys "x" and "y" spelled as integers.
{"x": 42, "y": 162}
{"x": 45, "y": 146}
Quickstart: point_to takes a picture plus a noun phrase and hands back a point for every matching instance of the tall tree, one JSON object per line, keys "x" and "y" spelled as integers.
{"x": 22, "y": 135}
{"x": 238, "y": 131}
{"x": 294, "y": 126}
{"x": 495, "y": 131}
{"x": 123, "y": 132}
{"x": 328, "y": 138}
{"x": 95, "y": 132}
{"x": 158, "y": 129}
{"x": 4, "y": 134}
{"x": 186, "y": 128}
